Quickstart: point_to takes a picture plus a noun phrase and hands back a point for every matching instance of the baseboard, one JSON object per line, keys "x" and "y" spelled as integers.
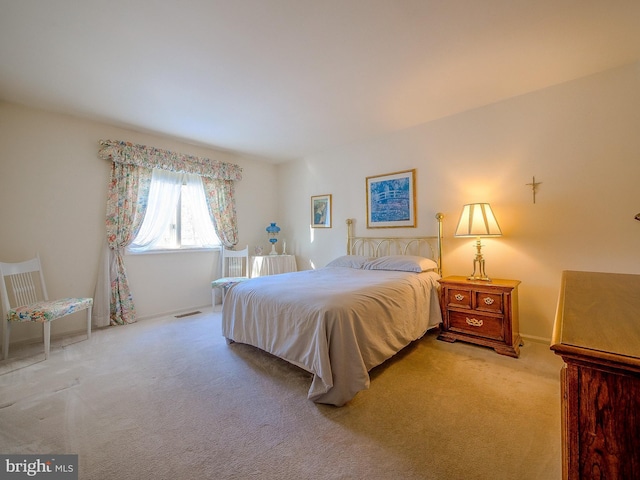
{"x": 533, "y": 338}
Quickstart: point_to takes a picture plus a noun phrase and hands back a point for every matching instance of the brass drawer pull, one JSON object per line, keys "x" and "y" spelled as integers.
{"x": 474, "y": 322}
{"x": 488, "y": 300}
{"x": 459, "y": 297}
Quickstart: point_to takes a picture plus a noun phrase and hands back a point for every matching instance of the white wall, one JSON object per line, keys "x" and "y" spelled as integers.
{"x": 580, "y": 139}
{"x": 53, "y": 191}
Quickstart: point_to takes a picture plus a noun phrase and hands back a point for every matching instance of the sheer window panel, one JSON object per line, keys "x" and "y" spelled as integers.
{"x": 177, "y": 215}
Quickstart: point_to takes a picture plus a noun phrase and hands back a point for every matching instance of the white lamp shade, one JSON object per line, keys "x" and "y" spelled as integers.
{"x": 477, "y": 220}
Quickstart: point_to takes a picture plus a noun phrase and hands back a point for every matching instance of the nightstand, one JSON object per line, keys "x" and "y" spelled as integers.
{"x": 481, "y": 312}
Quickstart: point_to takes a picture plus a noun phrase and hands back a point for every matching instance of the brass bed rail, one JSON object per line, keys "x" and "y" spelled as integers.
{"x": 375, "y": 246}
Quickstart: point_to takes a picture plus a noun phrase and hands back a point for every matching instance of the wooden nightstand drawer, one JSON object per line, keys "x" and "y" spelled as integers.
{"x": 480, "y": 325}
{"x": 459, "y": 298}
{"x": 488, "y": 302}
{"x": 481, "y": 312}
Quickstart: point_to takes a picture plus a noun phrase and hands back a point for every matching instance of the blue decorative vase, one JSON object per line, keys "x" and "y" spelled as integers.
{"x": 273, "y": 231}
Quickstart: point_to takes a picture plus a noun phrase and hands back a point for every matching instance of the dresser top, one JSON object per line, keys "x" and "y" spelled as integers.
{"x": 599, "y": 314}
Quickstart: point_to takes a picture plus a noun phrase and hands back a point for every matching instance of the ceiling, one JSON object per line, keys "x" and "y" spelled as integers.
{"x": 283, "y": 79}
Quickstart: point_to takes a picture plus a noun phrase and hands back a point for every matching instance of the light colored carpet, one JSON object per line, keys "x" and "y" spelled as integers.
{"x": 168, "y": 399}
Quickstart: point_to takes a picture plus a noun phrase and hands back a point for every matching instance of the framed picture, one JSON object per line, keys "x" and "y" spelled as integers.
{"x": 321, "y": 211}
{"x": 391, "y": 200}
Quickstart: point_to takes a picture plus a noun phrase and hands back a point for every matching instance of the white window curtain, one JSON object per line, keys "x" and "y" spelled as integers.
{"x": 193, "y": 193}
{"x": 164, "y": 194}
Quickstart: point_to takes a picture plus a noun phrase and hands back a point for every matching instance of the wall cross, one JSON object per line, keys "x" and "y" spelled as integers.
{"x": 534, "y": 187}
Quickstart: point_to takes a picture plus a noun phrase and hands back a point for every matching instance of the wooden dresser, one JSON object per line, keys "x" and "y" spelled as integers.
{"x": 597, "y": 334}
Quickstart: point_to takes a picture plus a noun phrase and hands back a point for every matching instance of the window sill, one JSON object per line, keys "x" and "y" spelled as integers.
{"x": 175, "y": 250}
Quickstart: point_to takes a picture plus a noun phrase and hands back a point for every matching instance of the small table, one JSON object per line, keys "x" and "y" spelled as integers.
{"x": 262, "y": 265}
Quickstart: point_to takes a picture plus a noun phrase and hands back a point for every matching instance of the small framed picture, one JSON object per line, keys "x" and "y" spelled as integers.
{"x": 391, "y": 200}
{"x": 321, "y": 211}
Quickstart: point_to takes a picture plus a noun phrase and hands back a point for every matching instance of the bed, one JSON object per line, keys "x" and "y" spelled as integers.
{"x": 340, "y": 321}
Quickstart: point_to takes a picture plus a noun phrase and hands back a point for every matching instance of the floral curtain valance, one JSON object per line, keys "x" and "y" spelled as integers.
{"x": 151, "y": 157}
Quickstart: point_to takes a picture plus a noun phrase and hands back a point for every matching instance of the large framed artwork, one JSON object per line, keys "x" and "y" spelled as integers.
{"x": 391, "y": 200}
{"x": 321, "y": 211}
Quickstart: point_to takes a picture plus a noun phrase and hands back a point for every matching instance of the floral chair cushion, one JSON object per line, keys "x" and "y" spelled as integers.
{"x": 46, "y": 311}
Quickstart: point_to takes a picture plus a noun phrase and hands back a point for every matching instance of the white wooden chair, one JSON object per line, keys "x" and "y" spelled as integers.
{"x": 25, "y": 299}
{"x": 235, "y": 269}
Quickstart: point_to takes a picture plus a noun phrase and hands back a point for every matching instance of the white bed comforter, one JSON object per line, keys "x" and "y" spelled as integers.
{"x": 335, "y": 322}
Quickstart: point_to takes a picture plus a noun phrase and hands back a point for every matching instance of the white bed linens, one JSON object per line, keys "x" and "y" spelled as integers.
{"x": 337, "y": 323}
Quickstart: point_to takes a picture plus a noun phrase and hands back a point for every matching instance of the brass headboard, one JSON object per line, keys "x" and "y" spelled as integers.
{"x": 427, "y": 246}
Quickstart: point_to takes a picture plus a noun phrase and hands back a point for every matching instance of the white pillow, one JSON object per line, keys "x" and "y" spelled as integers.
{"x": 350, "y": 261}
{"x": 401, "y": 263}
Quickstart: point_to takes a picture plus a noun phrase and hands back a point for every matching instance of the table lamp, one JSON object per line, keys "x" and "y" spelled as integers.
{"x": 273, "y": 230}
{"x": 477, "y": 220}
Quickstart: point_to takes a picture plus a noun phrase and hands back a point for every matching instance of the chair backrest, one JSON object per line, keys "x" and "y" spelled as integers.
{"x": 235, "y": 263}
{"x": 22, "y": 283}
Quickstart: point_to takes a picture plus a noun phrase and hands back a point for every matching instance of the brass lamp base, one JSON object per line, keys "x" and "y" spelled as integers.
{"x": 478, "y": 265}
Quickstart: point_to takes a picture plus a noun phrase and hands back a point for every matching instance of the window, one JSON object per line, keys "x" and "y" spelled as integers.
{"x": 177, "y": 216}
